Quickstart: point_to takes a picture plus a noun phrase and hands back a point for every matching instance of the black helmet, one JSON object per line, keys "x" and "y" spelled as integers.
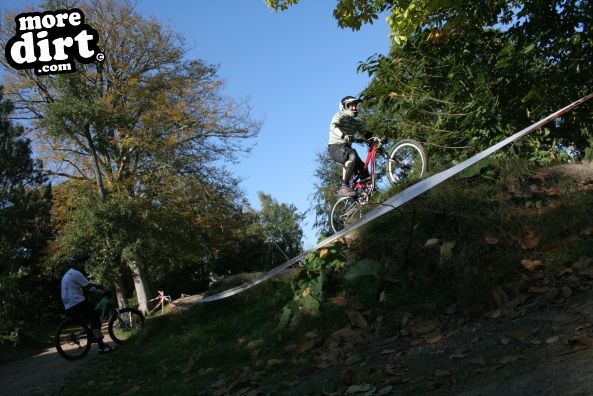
{"x": 78, "y": 257}
{"x": 346, "y": 100}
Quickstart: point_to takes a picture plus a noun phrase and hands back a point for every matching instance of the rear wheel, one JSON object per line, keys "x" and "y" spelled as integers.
{"x": 73, "y": 339}
{"x": 345, "y": 211}
{"x": 127, "y": 323}
{"x": 407, "y": 162}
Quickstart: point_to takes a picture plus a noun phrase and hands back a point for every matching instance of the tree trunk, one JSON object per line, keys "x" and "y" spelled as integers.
{"x": 141, "y": 285}
{"x": 120, "y": 293}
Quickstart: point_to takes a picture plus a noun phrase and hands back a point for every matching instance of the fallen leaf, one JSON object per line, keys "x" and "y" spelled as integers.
{"x": 291, "y": 383}
{"x": 385, "y": 391}
{"x": 539, "y": 290}
{"x": 531, "y": 265}
{"x": 188, "y": 366}
{"x": 490, "y": 239}
{"x": 219, "y": 384}
{"x": 587, "y": 272}
{"x": 447, "y": 250}
{"x": 339, "y": 301}
{"x": 552, "y": 340}
{"x": 566, "y": 292}
{"x": 345, "y": 334}
{"x": 274, "y": 362}
{"x": 434, "y": 339}
{"x": 424, "y": 327}
{"x": 352, "y": 389}
{"x": 536, "y": 189}
{"x": 486, "y": 370}
{"x": 520, "y": 334}
{"x": 479, "y": 361}
{"x": 457, "y": 356}
{"x": 538, "y": 176}
{"x": 132, "y": 390}
{"x": 323, "y": 252}
{"x": 572, "y": 318}
{"x": 588, "y": 231}
{"x": 501, "y": 298}
{"x": 306, "y": 345}
{"x": 432, "y": 243}
{"x": 442, "y": 373}
{"x": 517, "y": 301}
{"x": 562, "y": 270}
{"x": 357, "y": 319}
{"x": 583, "y": 339}
{"x": 255, "y": 344}
{"x": 529, "y": 240}
{"x": 575, "y": 349}
{"x": 508, "y": 359}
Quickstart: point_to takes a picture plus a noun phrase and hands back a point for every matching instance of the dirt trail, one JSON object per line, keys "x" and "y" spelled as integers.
{"x": 41, "y": 374}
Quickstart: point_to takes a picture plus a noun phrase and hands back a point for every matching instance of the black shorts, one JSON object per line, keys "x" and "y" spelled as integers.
{"x": 340, "y": 152}
{"x": 87, "y": 312}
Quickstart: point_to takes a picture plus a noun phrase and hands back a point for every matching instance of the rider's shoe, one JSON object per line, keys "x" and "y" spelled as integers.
{"x": 364, "y": 179}
{"x": 346, "y": 191}
{"x": 105, "y": 349}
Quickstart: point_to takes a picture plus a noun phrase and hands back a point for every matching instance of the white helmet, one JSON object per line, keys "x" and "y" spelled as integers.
{"x": 346, "y": 100}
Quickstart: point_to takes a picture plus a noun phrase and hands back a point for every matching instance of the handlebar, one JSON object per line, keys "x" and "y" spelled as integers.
{"x": 370, "y": 141}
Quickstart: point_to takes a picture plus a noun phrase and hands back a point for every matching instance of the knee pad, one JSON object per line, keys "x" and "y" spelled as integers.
{"x": 348, "y": 169}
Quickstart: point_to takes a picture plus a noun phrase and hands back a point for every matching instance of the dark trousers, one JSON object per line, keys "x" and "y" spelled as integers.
{"x": 86, "y": 311}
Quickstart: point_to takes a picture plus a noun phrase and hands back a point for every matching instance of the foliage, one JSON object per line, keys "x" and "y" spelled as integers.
{"x": 327, "y": 182}
{"x": 24, "y": 230}
{"x": 318, "y": 274}
{"x": 280, "y": 225}
{"x": 459, "y": 241}
{"x": 477, "y": 85}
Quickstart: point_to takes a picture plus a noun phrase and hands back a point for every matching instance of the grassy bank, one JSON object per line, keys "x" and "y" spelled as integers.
{"x": 490, "y": 239}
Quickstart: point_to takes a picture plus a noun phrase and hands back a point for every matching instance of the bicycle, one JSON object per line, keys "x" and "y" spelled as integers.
{"x": 74, "y": 337}
{"x": 406, "y": 162}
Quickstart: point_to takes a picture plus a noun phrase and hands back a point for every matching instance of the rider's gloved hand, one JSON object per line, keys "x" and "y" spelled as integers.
{"x": 347, "y": 138}
{"x": 96, "y": 291}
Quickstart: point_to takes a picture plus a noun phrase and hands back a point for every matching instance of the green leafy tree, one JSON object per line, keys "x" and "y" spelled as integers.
{"x": 477, "y": 85}
{"x": 280, "y": 224}
{"x": 327, "y": 182}
{"x": 24, "y": 216}
{"x": 131, "y": 124}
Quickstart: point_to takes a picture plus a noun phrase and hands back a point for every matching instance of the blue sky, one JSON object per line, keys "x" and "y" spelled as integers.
{"x": 292, "y": 66}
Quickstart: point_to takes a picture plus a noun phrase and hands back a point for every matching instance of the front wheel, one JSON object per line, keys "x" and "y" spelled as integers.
{"x": 73, "y": 339}
{"x": 127, "y": 323}
{"x": 407, "y": 162}
{"x": 345, "y": 211}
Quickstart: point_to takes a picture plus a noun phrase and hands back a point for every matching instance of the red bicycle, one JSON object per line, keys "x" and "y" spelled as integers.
{"x": 406, "y": 163}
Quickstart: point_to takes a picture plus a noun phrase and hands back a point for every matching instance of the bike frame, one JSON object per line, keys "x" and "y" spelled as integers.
{"x": 369, "y": 164}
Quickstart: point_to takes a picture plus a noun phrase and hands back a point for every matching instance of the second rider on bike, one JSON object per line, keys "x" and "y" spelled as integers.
{"x": 344, "y": 129}
{"x": 73, "y": 286}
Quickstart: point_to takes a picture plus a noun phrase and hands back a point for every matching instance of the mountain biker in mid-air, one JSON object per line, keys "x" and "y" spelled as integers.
{"x": 344, "y": 128}
{"x": 73, "y": 286}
